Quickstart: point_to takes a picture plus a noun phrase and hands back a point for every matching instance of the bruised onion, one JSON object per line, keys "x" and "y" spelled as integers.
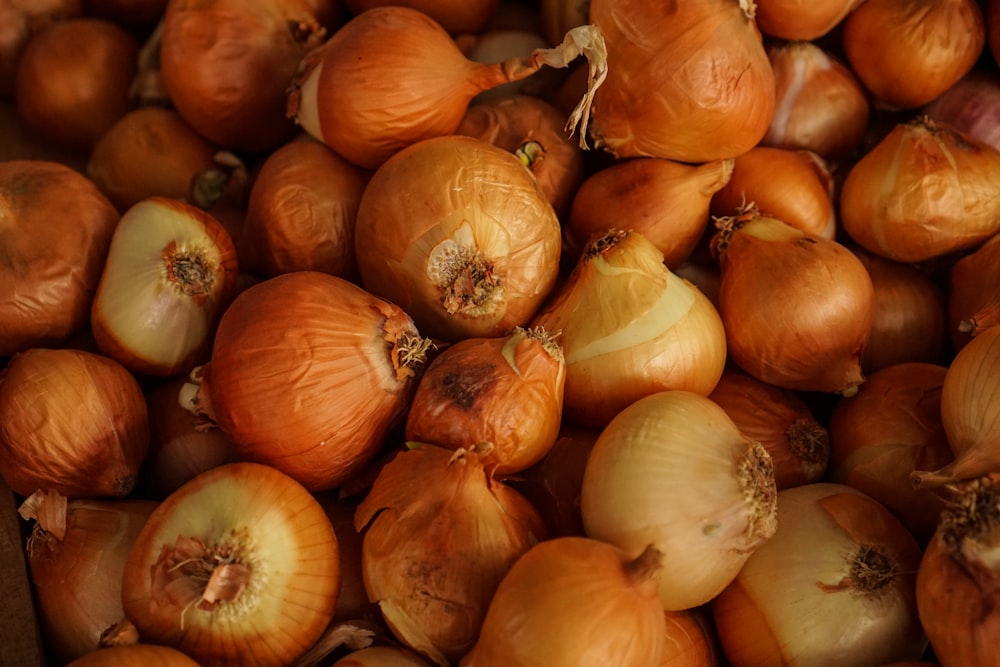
{"x": 457, "y": 233}
{"x": 974, "y": 293}
{"x": 630, "y": 327}
{"x": 71, "y": 421}
{"x": 714, "y": 87}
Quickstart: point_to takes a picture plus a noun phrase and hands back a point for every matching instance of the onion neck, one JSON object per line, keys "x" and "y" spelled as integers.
{"x": 645, "y": 566}
{"x": 809, "y": 441}
{"x": 755, "y": 474}
{"x": 969, "y": 530}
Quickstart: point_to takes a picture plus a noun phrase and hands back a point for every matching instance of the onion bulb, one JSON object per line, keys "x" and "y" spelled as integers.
{"x": 416, "y": 86}
{"x": 439, "y": 536}
{"x": 308, "y": 373}
{"x": 925, "y": 190}
{"x": 834, "y": 586}
{"x": 706, "y": 508}
{"x": 971, "y": 105}
{"x": 148, "y": 655}
{"x": 974, "y": 293}
{"x": 240, "y": 565}
{"x": 573, "y": 601}
{"x": 457, "y": 233}
{"x": 71, "y": 421}
{"x": 797, "y": 307}
{"x": 793, "y": 20}
{"x": 630, "y": 327}
{"x": 714, "y": 86}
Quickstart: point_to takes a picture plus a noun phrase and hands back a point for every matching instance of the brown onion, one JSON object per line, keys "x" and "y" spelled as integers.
{"x": 56, "y": 232}
{"x": 797, "y": 307}
{"x": 907, "y": 52}
{"x": 455, "y": 16}
{"x": 714, "y": 87}
{"x": 801, "y": 19}
{"x": 925, "y": 190}
{"x": 974, "y": 293}
{"x": 890, "y": 428}
{"x": 665, "y": 201}
{"x": 457, "y": 233}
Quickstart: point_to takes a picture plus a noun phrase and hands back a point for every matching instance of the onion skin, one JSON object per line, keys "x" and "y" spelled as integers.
{"x": 715, "y": 87}
{"x": 53, "y": 251}
{"x": 148, "y": 655}
{"x": 71, "y": 421}
{"x": 974, "y": 293}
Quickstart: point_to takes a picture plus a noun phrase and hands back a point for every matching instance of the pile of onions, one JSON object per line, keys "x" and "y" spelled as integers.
{"x": 71, "y": 421}
{"x": 76, "y": 557}
{"x": 706, "y": 508}
{"x": 630, "y": 327}
{"x": 440, "y": 534}
{"x": 238, "y": 565}
{"x": 847, "y": 570}
{"x": 714, "y": 87}
{"x": 503, "y": 395}
{"x": 974, "y": 293}
{"x": 797, "y": 307}
{"x": 925, "y": 190}
{"x": 55, "y": 237}
{"x": 456, "y": 232}
{"x": 308, "y": 373}
{"x": 573, "y": 601}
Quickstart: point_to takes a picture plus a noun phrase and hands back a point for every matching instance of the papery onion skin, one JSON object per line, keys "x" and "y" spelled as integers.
{"x": 923, "y": 191}
{"x": 309, "y": 372}
{"x": 456, "y": 232}
{"x": 55, "y": 234}
{"x": 255, "y": 525}
{"x": 974, "y": 293}
{"x": 149, "y": 655}
{"x": 71, "y": 421}
{"x": 714, "y": 87}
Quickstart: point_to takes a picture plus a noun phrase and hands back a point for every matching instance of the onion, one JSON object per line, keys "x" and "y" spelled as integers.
{"x": 890, "y": 428}
{"x": 691, "y": 640}
{"x": 19, "y": 21}
{"x": 148, "y": 655}
{"x": 971, "y": 105}
{"x": 957, "y": 579}
{"x": 367, "y": 109}
{"x": 845, "y": 569}
{"x": 797, "y": 307}
{"x": 574, "y": 601}
{"x": 630, "y": 328}
{"x": 908, "y": 52}
{"x": 970, "y": 412}
{"x": 440, "y": 534}
{"x": 76, "y": 555}
{"x": 781, "y": 421}
{"x": 226, "y": 65}
{"x": 503, "y": 395}
{"x": 802, "y": 20}
{"x": 794, "y": 186}
{"x": 455, "y": 16}
{"x": 169, "y": 274}
{"x": 974, "y": 293}
{"x": 820, "y": 105}
{"x": 665, "y": 201}
{"x": 56, "y": 234}
{"x": 706, "y": 508}
{"x": 238, "y": 565}
{"x": 73, "y": 81}
{"x": 308, "y": 373}
{"x": 925, "y": 190}
{"x": 714, "y": 87}
{"x": 301, "y": 212}
{"x": 457, "y": 233}
{"x": 71, "y": 421}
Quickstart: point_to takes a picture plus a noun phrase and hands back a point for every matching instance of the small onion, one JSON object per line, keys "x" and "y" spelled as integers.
{"x": 801, "y": 19}
{"x": 974, "y": 293}
{"x": 706, "y": 508}
{"x": 71, "y": 421}
{"x": 19, "y": 21}
{"x": 148, "y": 655}
{"x": 630, "y": 327}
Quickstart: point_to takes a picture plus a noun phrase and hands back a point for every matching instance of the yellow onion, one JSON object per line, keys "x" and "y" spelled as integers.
{"x": 890, "y": 428}
{"x": 797, "y": 307}
{"x": 501, "y": 394}
{"x": 923, "y": 191}
{"x": 690, "y": 81}
{"x": 76, "y": 555}
{"x": 691, "y": 640}
{"x": 781, "y": 421}
{"x": 665, "y": 201}
{"x": 705, "y": 507}
{"x": 457, "y": 233}
{"x": 974, "y": 293}
{"x": 240, "y": 565}
{"x": 834, "y": 586}
{"x": 957, "y": 592}
{"x": 148, "y": 655}
{"x": 440, "y": 534}
{"x": 630, "y": 327}
{"x": 573, "y": 601}
{"x": 907, "y": 52}
{"x": 793, "y": 20}
{"x": 71, "y": 421}
{"x": 308, "y": 373}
